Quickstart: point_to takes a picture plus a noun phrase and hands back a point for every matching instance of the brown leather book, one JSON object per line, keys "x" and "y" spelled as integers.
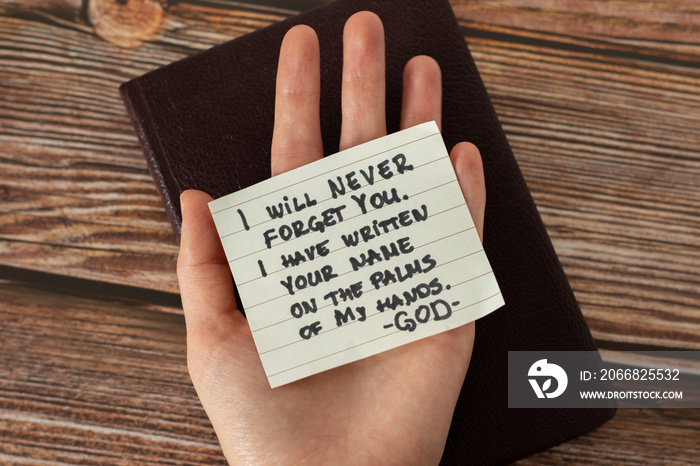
{"x": 206, "y": 122}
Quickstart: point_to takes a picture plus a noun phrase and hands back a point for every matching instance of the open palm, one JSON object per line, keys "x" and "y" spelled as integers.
{"x": 392, "y": 408}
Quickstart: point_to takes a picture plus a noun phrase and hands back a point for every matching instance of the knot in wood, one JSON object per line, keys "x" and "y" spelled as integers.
{"x": 126, "y": 23}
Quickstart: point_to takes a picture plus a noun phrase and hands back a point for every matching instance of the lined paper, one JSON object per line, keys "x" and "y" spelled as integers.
{"x": 355, "y": 254}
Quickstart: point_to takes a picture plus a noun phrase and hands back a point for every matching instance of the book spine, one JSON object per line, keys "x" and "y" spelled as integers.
{"x": 141, "y": 117}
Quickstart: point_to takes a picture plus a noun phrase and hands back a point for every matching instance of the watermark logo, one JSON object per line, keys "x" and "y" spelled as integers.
{"x": 543, "y": 371}
{"x": 609, "y": 379}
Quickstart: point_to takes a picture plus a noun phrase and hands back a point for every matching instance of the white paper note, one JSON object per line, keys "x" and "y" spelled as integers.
{"x": 355, "y": 254}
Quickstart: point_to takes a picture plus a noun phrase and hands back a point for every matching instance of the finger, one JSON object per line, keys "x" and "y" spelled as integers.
{"x": 466, "y": 161}
{"x": 422, "y": 92}
{"x": 363, "y": 88}
{"x": 296, "y": 139}
{"x": 202, "y": 269}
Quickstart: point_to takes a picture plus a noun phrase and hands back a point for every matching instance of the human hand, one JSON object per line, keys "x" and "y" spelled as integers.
{"x": 392, "y": 408}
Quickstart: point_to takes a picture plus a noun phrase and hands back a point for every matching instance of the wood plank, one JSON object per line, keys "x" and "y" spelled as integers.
{"x": 601, "y": 111}
{"x": 662, "y": 29}
{"x": 95, "y": 381}
{"x": 634, "y": 436}
{"x": 77, "y": 196}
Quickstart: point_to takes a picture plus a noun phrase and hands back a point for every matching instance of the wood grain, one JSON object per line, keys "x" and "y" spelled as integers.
{"x": 105, "y": 382}
{"x": 634, "y": 436}
{"x": 604, "y": 130}
{"x": 74, "y": 178}
{"x": 85, "y": 381}
{"x": 600, "y": 101}
{"x": 659, "y": 30}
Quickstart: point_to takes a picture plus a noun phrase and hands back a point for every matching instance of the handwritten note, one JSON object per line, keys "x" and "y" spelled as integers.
{"x": 355, "y": 254}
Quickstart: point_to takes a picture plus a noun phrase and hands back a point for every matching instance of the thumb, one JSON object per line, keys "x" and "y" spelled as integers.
{"x": 204, "y": 275}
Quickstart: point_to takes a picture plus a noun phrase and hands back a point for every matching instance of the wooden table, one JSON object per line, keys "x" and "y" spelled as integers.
{"x": 599, "y": 99}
